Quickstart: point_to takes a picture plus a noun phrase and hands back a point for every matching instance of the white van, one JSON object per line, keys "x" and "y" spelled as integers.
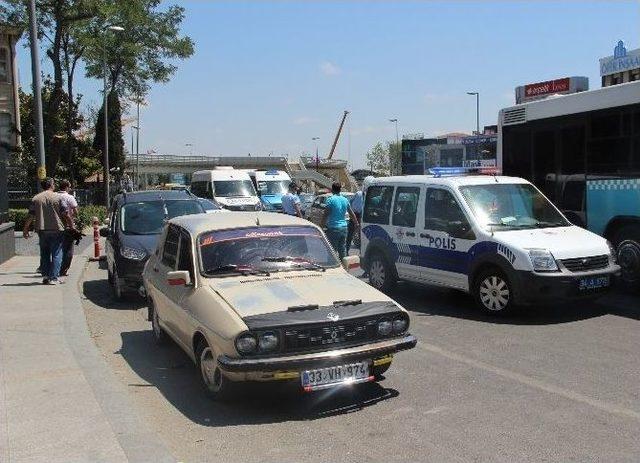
{"x": 271, "y": 186}
{"x": 231, "y": 189}
{"x": 498, "y": 238}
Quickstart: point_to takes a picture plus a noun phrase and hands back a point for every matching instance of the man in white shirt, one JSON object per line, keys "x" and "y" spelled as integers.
{"x": 70, "y": 205}
{"x": 291, "y": 202}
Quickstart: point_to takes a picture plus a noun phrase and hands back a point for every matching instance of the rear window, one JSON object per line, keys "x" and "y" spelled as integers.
{"x": 148, "y": 217}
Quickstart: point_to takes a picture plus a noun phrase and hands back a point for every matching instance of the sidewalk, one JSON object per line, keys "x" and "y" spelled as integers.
{"x": 59, "y": 401}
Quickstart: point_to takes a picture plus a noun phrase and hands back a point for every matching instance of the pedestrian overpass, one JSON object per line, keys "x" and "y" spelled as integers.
{"x": 154, "y": 169}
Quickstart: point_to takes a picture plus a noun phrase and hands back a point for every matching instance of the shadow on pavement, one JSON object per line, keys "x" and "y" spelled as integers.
{"x": 99, "y": 292}
{"x": 170, "y": 370}
{"x": 426, "y": 300}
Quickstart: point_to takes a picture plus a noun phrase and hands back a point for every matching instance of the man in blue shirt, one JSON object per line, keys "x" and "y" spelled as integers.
{"x": 337, "y": 207}
{"x": 291, "y": 201}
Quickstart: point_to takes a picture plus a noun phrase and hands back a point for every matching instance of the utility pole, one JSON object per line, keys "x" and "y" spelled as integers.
{"x": 397, "y": 171}
{"x": 477, "y": 95}
{"x": 37, "y": 91}
{"x": 138, "y": 142}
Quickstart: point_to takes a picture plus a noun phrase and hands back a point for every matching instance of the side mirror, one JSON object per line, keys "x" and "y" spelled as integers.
{"x": 458, "y": 229}
{"x": 179, "y": 278}
{"x": 105, "y": 232}
{"x": 351, "y": 263}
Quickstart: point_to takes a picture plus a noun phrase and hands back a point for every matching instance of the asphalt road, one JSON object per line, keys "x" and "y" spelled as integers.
{"x": 550, "y": 384}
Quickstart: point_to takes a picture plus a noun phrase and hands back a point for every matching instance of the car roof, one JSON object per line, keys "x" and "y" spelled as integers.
{"x": 199, "y": 223}
{"x": 154, "y": 195}
{"x": 446, "y": 180}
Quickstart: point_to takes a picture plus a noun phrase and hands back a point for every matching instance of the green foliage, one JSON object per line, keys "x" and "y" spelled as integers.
{"x": 87, "y": 213}
{"x": 19, "y": 216}
{"x": 83, "y": 220}
{"x": 116, "y": 143}
{"x": 385, "y": 158}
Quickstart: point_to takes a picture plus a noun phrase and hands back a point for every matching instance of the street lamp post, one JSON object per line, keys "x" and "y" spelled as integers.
{"x": 395, "y": 121}
{"x": 37, "y": 91}
{"x": 190, "y": 145}
{"x": 477, "y": 95}
{"x": 315, "y": 139}
{"x": 105, "y": 154}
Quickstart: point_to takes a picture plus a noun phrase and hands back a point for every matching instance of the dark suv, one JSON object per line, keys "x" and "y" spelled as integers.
{"x": 135, "y": 223}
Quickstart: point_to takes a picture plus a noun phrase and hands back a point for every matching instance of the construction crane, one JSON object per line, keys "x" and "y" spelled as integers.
{"x": 335, "y": 141}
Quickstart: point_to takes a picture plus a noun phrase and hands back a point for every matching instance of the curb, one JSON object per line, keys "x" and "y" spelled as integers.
{"x": 138, "y": 444}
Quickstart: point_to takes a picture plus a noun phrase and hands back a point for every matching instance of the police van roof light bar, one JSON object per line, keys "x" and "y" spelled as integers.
{"x": 457, "y": 171}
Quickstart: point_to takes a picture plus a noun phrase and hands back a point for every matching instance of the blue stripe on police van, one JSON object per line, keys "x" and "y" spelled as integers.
{"x": 430, "y": 257}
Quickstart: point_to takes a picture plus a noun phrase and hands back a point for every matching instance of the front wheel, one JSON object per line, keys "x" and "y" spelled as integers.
{"x": 215, "y": 384}
{"x": 117, "y": 287}
{"x": 627, "y": 243}
{"x": 493, "y": 292}
{"x": 382, "y": 275}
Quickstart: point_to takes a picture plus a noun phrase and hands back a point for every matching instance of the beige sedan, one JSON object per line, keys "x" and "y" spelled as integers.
{"x": 262, "y": 297}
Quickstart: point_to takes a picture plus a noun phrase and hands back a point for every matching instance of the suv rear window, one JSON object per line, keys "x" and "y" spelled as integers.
{"x": 148, "y": 217}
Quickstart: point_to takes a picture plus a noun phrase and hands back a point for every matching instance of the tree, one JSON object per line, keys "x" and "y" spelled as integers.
{"x": 116, "y": 143}
{"x": 385, "y": 158}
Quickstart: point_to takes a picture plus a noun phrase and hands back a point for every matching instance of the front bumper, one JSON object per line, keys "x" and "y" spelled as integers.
{"x": 130, "y": 271}
{"x": 531, "y": 287}
{"x": 316, "y": 359}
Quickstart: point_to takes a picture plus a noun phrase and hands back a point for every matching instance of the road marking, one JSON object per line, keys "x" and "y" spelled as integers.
{"x": 532, "y": 382}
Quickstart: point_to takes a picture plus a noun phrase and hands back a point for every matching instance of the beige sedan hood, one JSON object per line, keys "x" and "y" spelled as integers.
{"x": 261, "y": 295}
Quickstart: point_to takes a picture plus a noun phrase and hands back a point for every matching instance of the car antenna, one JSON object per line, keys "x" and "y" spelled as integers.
{"x": 257, "y": 220}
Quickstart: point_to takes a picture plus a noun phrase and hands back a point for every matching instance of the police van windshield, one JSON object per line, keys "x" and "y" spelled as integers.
{"x": 273, "y": 187}
{"x": 499, "y": 206}
{"x": 226, "y": 188}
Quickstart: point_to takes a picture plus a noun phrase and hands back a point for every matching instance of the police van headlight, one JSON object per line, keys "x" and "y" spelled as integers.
{"x": 257, "y": 207}
{"x": 542, "y": 260}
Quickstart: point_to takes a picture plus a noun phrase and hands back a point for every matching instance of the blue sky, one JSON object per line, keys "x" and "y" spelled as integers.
{"x": 266, "y": 77}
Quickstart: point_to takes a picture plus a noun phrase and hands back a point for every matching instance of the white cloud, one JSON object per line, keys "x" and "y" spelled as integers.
{"x": 330, "y": 69}
{"x": 303, "y": 120}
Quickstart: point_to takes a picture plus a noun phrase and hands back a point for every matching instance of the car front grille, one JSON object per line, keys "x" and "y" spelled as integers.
{"x": 329, "y": 334}
{"x": 585, "y": 264}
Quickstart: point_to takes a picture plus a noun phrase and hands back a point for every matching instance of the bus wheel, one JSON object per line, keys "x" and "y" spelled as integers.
{"x": 627, "y": 243}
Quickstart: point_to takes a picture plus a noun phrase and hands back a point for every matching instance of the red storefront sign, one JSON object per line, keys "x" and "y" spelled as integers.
{"x": 546, "y": 88}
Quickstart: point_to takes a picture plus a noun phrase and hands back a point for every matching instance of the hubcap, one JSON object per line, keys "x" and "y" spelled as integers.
{"x": 629, "y": 260}
{"x": 376, "y": 274}
{"x": 494, "y": 293}
{"x": 210, "y": 372}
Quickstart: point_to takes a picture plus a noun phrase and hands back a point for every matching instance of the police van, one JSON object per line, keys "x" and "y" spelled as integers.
{"x": 498, "y": 238}
{"x": 230, "y": 188}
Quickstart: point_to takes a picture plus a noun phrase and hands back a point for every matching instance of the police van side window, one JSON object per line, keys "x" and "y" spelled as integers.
{"x": 377, "y": 206}
{"x": 405, "y": 206}
{"x": 443, "y": 213}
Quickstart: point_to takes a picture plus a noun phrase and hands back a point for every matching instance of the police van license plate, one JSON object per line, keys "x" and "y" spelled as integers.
{"x": 331, "y": 376}
{"x": 586, "y": 284}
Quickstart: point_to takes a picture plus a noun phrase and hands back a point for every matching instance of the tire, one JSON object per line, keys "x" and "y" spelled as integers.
{"x": 109, "y": 275}
{"x": 119, "y": 293}
{"x": 215, "y": 384}
{"x": 159, "y": 335}
{"x": 493, "y": 292}
{"x": 627, "y": 244}
{"x": 382, "y": 275}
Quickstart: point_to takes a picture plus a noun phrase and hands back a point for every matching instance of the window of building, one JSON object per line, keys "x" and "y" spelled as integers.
{"x": 378, "y": 204}
{"x": 5, "y": 128}
{"x": 4, "y": 64}
{"x": 406, "y": 206}
{"x": 634, "y": 75}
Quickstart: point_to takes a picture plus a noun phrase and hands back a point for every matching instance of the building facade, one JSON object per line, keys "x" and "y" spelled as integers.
{"x": 623, "y": 66}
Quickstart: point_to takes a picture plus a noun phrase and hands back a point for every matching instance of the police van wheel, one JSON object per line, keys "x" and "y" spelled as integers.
{"x": 627, "y": 243}
{"x": 493, "y": 292}
{"x": 382, "y": 275}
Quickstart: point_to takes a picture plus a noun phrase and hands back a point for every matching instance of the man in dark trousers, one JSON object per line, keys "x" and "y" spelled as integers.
{"x": 50, "y": 218}
{"x": 70, "y": 205}
{"x": 337, "y": 207}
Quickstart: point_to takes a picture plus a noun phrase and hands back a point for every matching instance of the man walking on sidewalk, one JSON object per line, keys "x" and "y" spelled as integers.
{"x": 337, "y": 206}
{"x": 50, "y": 217}
{"x": 70, "y": 205}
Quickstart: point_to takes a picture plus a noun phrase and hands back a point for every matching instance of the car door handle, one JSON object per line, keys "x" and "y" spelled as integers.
{"x": 410, "y": 234}
{"x": 425, "y": 235}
